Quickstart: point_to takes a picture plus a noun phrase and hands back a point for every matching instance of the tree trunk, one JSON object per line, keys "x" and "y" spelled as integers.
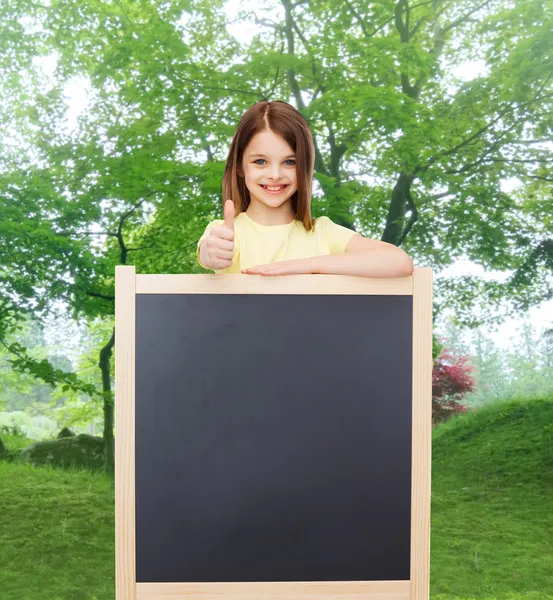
{"x": 395, "y": 220}
{"x": 104, "y": 364}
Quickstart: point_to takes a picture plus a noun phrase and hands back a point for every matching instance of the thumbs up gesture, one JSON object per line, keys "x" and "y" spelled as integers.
{"x": 217, "y": 250}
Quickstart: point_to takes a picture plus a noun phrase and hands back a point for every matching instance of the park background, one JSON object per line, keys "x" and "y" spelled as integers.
{"x": 432, "y": 122}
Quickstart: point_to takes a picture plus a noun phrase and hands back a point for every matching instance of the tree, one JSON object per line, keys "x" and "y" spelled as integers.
{"x": 141, "y": 177}
{"x": 453, "y": 336}
{"x": 451, "y": 380}
{"x": 491, "y": 371}
{"x": 73, "y": 409}
{"x": 528, "y": 363}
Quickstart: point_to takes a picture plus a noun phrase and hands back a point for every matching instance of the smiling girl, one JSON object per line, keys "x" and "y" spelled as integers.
{"x": 267, "y": 227}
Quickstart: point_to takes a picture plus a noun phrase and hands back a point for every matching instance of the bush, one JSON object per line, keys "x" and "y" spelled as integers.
{"x": 36, "y": 428}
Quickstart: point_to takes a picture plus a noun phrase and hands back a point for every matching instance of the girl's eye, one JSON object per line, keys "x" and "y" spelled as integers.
{"x": 289, "y": 160}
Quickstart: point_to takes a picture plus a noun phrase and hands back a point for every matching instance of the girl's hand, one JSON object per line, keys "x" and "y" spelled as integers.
{"x": 286, "y": 267}
{"x": 217, "y": 250}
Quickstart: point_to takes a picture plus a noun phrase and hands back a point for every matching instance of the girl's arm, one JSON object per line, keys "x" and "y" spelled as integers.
{"x": 365, "y": 263}
{"x": 365, "y": 258}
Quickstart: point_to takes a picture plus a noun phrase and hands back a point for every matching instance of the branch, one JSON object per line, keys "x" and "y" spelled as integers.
{"x": 530, "y": 142}
{"x": 405, "y": 37}
{"x": 402, "y": 26}
{"x": 127, "y": 17}
{"x": 275, "y": 81}
{"x": 319, "y": 162}
{"x": 388, "y": 21}
{"x": 45, "y": 371}
{"x": 103, "y": 296}
{"x": 70, "y": 233}
{"x": 478, "y": 133}
{"x": 412, "y": 219}
{"x": 248, "y": 92}
{"x": 359, "y": 18}
{"x": 549, "y": 179}
{"x": 521, "y": 160}
{"x": 141, "y": 248}
{"x": 415, "y": 28}
{"x": 441, "y": 195}
{"x": 466, "y": 17}
{"x": 266, "y": 22}
{"x": 483, "y": 160}
{"x": 119, "y": 235}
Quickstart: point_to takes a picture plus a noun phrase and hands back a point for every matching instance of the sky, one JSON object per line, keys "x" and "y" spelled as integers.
{"x": 76, "y": 93}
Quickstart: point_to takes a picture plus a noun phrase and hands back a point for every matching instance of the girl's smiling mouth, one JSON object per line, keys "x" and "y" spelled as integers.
{"x": 274, "y": 191}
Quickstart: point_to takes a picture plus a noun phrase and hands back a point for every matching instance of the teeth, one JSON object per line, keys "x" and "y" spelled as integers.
{"x": 273, "y": 189}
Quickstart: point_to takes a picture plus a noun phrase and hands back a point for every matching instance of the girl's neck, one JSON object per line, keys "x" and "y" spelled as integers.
{"x": 266, "y": 215}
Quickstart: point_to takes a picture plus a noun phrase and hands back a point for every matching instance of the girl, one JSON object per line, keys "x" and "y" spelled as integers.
{"x": 267, "y": 227}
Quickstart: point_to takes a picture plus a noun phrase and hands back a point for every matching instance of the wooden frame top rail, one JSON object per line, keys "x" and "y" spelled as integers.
{"x": 266, "y": 284}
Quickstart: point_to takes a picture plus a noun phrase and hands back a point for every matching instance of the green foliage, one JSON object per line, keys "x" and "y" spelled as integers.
{"x": 404, "y": 113}
{"x": 407, "y": 150}
{"x": 36, "y": 428}
{"x": 46, "y": 372}
{"x": 70, "y": 408}
{"x": 437, "y": 347}
{"x": 523, "y": 369}
{"x": 35, "y": 375}
{"x": 13, "y": 438}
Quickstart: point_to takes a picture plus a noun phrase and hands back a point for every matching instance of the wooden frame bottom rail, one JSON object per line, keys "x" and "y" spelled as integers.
{"x": 276, "y": 590}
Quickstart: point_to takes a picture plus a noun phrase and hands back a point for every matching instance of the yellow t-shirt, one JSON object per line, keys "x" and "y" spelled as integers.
{"x": 256, "y": 244}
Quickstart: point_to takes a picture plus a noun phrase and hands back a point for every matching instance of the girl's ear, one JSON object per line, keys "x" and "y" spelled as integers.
{"x": 239, "y": 170}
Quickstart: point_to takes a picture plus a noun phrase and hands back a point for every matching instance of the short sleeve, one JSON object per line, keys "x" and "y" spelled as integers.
{"x": 235, "y": 267}
{"x": 338, "y": 236}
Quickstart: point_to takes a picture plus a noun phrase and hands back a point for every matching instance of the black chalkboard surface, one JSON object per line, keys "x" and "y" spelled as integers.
{"x": 273, "y": 437}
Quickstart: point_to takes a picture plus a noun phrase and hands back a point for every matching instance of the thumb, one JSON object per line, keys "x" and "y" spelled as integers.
{"x": 229, "y": 214}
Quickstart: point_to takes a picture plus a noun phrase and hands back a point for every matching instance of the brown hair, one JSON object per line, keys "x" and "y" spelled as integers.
{"x": 284, "y": 120}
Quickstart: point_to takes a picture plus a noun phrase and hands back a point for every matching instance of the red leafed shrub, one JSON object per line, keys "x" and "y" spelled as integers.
{"x": 451, "y": 380}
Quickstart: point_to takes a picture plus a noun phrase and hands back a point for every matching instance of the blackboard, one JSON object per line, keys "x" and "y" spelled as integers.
{"x": 273, "y": 437}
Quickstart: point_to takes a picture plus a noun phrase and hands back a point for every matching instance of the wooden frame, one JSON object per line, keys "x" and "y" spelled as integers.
{"x": 127, "y": 285}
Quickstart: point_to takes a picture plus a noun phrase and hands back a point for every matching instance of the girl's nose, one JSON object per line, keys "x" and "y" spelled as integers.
{"x": 275, "y": 172}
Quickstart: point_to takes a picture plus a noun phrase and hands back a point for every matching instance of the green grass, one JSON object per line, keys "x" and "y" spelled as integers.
{"x": 57, "y": 539}
{"x": 491, "y": 527}
{"x": 492, "y": 503}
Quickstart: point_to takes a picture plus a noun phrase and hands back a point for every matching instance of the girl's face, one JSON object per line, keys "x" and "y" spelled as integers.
{"x": 269, "y": 161}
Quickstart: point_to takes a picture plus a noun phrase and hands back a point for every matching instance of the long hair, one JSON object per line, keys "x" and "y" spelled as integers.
{"x": 284, "y": 120}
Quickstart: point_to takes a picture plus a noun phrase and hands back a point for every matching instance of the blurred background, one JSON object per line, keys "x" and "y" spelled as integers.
{"x": 432, "y": 122}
